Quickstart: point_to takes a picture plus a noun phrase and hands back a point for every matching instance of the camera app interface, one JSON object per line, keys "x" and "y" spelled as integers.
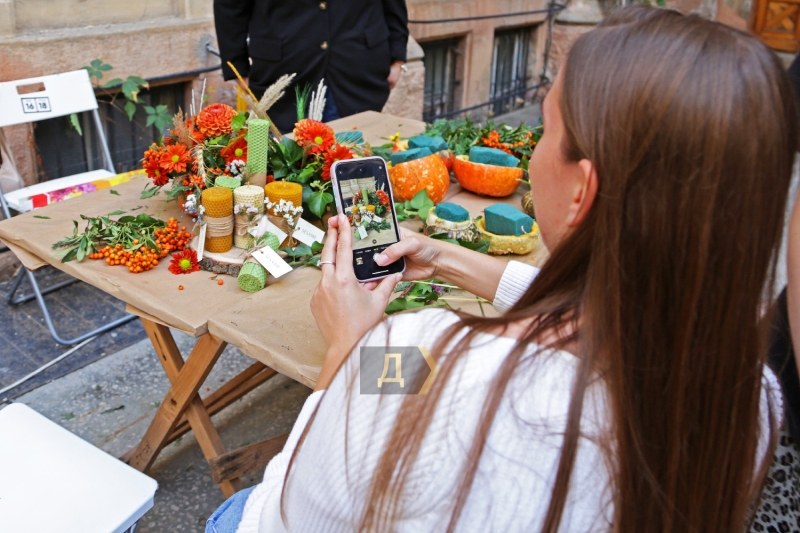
{"x": 367, "y": 204}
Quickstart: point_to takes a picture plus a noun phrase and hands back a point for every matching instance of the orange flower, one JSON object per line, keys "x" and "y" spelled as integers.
{"x": 151, "y": 163}
{"x": 184, "y": 262}
{"x": 197, "y": 181}
{"x": 235, "y": 150}
{"x": 334, "y": 154}
{"x": 175, "y": 158}
{"x": 215, "y": 120}
{"x": 313, "y": 135}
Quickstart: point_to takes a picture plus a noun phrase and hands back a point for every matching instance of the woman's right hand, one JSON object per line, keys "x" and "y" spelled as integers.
{"x": 422, "y": 255}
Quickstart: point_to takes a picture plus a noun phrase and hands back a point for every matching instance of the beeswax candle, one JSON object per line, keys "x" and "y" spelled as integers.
{"x": 257, "y": 145}
{"x": 218, "y": 204}
{"x": 254, "y": 196}
{"x": 284, "y": 190}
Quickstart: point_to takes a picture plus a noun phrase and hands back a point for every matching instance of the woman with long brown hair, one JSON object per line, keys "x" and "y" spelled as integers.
{"x": 625, "y": 388}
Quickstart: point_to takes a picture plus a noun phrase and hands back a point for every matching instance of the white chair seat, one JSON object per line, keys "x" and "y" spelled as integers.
{"x": 20, "y": 199}
{"x": 54, "y": 482}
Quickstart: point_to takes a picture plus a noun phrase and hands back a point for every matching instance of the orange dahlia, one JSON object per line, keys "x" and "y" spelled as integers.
{"x": 175, "y": 158}
{"x": 235, "y": 150}
{"x": 184, "y": 262}
{"x": 313, "y": 135}
{"x": 336, "y": 153}
{"x": 215, "y": 120}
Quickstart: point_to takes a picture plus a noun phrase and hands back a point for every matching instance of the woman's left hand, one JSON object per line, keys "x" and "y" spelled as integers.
{"x": 344, "y": 308}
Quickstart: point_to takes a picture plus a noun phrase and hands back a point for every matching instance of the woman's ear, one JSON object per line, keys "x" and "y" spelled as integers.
{"x": 585, "y": 193}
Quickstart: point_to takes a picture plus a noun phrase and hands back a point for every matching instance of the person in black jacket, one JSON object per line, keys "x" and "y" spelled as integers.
{"x": 358, "y": 47}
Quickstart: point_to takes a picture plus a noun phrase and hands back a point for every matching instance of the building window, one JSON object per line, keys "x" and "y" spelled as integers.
{"x": 510, "y": 69}
{"x": 442, "y": 73}
{"x": 62, "y": 152}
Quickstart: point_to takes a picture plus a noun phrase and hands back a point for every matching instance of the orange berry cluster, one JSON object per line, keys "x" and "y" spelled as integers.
{"x": 140, "y": 260}
{"x": 171, "y": 238}
{"x": 493, "y": 141}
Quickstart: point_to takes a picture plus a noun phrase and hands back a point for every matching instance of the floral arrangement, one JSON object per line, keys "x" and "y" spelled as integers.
{"x": 378, "y": 198}
{"x": 197, "y": 151}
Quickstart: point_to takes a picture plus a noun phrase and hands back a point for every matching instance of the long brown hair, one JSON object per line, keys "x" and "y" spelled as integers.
{"x": 691, "y": 128}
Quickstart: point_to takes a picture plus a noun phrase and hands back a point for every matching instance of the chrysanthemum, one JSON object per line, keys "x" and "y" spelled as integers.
{"x": 237, "y": 149}
{"x": 215, "y": 120}
{"x": 332, "y": 155}
{"x": 314, "y": 135}
{"x": 184, "y": 262}
{"x": 175, "y": 158}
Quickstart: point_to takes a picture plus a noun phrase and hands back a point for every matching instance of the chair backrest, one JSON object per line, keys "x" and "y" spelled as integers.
{"x": 35, "y": 99}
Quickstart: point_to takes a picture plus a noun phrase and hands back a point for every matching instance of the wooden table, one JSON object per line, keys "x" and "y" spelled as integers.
{"x": 274, "y": 326}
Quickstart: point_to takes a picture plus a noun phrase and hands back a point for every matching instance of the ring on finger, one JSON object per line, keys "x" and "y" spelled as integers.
{"x": 326, "y": 263}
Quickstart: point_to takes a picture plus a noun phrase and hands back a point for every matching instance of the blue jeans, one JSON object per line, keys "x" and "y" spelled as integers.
{"x": 331, "y": 112}
{"x": 226, "y": 519}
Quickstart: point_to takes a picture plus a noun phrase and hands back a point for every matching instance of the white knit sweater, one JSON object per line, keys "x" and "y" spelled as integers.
{"x": 331, "y": 474}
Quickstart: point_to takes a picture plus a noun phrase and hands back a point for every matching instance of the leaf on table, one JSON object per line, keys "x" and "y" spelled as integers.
{"x": 42, "y": 217}
{"x": 117, "y": 212}
{"x": 115, "y": 193}
{"x": 149, "y": 193}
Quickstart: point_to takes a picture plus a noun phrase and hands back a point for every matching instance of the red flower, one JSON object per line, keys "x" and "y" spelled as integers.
{"x": 270, "y": 178}
{"x": 184, "y": 262}
{"x": 334, "y": 154}
{"x": 313, "y": 135}
{"x": 215, "y": 120}
{"x": 383, "y": 198}
{"x": 235, "y": 150}
{"x": 175, "y": 158}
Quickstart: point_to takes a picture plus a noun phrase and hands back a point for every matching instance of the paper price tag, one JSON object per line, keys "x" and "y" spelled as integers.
{"x": 377, "y": 219}
{"x": 270, "y": 260}
{"x": 307, "y": 233}
{"x": 201, "y": 243}
{"x": 362, "y": 233}
{"x": 264, "y": 226}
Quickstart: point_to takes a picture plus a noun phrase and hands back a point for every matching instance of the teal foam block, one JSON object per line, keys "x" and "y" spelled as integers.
{"x": 434, "y": 144}
{"x": 502, "y": 219}
{"x": 409, "y": 155}
{"x": 492, "y": 156}
{"x": 451, "y": 212}
{"x": 350, "y": 137}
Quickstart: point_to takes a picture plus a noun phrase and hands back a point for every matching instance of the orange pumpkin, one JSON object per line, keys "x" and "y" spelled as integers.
{"x": 447, "y": 157}
{"x": 489, "y": 180}
{"x": 426, "y": 173}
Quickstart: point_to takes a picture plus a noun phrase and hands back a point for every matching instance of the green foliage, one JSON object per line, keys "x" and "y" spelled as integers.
{"x": 238, "y": 122}
{"x": 103, "y": 230}
{"x": 462, "y": 134}
{"x": 73, "y": 119}
{"x": 301, "y": 100}
{"x": 302, "y": 254}
{"x": 158, "y": 116}
{"x": 96, "y": 68}
{"x": 482, "y": 246}
{"x": 419, "y": 205}
{"x": 318, "y": 202}
{"x": 417, "y": 294}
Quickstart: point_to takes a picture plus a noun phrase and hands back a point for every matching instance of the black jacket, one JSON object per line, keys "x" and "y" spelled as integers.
{"x": 350, "y": 43}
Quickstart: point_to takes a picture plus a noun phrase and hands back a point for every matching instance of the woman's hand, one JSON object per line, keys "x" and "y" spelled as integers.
{"x": 422, "y": 255}
{"x": 344, "y": 308}
{"x": 395, "y": 71}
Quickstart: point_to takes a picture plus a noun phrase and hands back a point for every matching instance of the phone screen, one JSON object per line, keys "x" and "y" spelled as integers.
{"x": 364, "y": 195}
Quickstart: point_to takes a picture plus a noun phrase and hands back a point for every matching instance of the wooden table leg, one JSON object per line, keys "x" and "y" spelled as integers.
{"x": 182, "y": 397}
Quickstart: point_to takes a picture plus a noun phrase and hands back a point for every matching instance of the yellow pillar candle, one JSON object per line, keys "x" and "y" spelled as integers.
{"x": 246, "y": 194}
{"x": 218, "y": 205}
{"x": 284, "y": 190}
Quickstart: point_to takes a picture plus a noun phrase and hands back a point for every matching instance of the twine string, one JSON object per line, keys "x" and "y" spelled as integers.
{"x": 219, "y": 227}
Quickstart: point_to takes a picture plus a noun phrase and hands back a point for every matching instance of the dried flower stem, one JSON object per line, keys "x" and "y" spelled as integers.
{"x": 272, "y": 126}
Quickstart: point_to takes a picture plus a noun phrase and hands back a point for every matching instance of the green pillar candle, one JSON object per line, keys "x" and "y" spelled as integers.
{"x": 257, "y": 145}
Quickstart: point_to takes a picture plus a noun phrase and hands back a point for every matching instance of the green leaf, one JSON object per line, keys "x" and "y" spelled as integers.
{"x": 115, "y": 193}
{"x": 70, "y": 255}
{"x": 130, "y": 109}
{"x": 316, "y": 247}
{"x": 238, "y": 122}
{"x": 112, "y": 83}
{"x": 420, "y": 199}
{"x": 161, "y": 109}
{"x": 292, "y": 151}
{"x": 139, "y": 81}
{"x": 318, "y": 202}
{"x": 130, "y": 89}
{"x": 150, "y": 120}
{"x": 117, "y": 212}
{"x": 150, "y": 110}
{"x": 149, "y": 193}
{"x": 402, "y": 304}
{"x": 42, "y": 217}
{"x": 73, "y": 119}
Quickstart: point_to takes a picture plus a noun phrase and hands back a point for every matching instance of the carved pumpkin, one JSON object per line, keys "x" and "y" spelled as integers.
{"x": 489, "y": 180}
{"x": 426, "y": 173}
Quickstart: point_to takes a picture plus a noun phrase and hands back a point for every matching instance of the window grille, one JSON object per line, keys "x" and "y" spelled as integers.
{"x": 510, "y": 69}
{"x": 442, "y": 86}
{"x": 63, "y": 152}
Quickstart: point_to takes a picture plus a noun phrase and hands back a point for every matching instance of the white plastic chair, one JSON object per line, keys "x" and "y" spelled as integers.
{"x": 32, "y": 100}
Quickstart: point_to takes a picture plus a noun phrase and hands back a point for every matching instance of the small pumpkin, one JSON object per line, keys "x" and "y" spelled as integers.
{"x": 527, "y": 204}
{"x": 412, "y": 176}
{"x": 489, "y": 180}
{"x": 509, "y": 244}
{"x": 447, "y": 158}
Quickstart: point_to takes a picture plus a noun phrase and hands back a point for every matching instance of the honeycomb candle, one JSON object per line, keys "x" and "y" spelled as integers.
{"x": 257, "y": 148}
{"x": 218, "y": 204}
{"x": 246, "y": 195}
{"x": 284, "y": 190}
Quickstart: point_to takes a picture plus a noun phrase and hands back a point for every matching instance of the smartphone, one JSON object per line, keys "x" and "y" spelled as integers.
{"x": 363, "y": 193}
